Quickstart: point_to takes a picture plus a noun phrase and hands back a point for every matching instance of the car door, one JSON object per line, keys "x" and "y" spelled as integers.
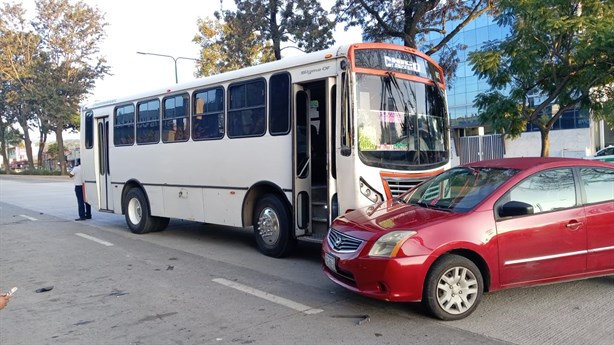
{"x": 551, "y": 242}
{"x": 598, "y": 197}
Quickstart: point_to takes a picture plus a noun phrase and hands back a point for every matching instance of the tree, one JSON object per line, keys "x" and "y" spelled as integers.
{"x": 254, "y": 33}
{"x": 49, "y": 65}
{"x": 227, "y": 44}
{"x": 412, "y": 21}
{"x": 558, "y": 57}
{"x": 302, "y": 22}
{"x": 8, "y": 135}
{"x": 19, "y": 52}
{"x": 71, "y": 35}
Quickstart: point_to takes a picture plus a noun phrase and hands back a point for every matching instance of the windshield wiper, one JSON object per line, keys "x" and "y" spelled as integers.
{"x": 433, "y": 206}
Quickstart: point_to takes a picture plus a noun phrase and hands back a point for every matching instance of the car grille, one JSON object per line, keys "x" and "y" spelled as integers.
{"x": 342, "y": 243}
{"x": 398, "y": 186}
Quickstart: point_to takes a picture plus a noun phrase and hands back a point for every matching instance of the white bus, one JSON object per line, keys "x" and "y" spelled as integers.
{"x": 284, "y": 147}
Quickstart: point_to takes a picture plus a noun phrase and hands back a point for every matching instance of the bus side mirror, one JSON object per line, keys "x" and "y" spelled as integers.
{"x": 515, "y": 208}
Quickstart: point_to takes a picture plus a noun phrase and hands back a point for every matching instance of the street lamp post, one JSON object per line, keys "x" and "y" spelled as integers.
{"x": 174, "y": 60}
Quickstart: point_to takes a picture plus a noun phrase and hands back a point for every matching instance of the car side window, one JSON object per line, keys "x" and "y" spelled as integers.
{"x": 546, "y": 191}
{"x": 598, "y": 184}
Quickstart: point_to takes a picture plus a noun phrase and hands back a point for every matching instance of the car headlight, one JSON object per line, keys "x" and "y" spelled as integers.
{"x": 389, "y": 244}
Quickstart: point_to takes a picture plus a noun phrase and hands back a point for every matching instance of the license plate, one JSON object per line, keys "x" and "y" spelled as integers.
{"x": 330, "y": 261}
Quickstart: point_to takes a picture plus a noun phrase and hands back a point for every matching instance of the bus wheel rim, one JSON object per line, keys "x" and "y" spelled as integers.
{"x": 268, "y": 226}
{"x": 134, "y": 211}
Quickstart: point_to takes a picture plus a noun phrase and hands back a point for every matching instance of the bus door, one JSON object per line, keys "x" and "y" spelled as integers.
{"x": 302, "y": 161}
{"x": 105, "y": 198}
{"x": 312, "y": 172}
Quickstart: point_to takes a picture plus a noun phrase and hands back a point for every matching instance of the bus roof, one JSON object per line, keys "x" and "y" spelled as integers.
{"x": 269, "y": 67}
{"x": 265, "y": 68}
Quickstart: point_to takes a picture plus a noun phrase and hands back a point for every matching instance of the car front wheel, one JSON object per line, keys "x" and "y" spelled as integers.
{"x": 453, "y": 288}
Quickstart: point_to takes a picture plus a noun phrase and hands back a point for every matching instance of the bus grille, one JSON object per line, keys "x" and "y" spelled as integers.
{"x": 342, "y": 243}
{"x": 398, "y": 186}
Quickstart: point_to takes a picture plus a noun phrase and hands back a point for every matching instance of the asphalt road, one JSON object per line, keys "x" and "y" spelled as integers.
{"x": 203, "y": 284}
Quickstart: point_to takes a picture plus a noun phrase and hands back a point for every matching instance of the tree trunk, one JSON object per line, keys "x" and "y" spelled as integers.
{"x": 61, "y": 156}
{"x": 41, "y": 148}
{"x": 28, "y": 142}
{"x": 545, "y": 135}
{"x": 4, "y": 151}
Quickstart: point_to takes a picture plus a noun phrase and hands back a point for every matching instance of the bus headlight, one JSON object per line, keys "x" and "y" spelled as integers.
{"x": 369, "y": 192}
{"x": 389, "y": 244}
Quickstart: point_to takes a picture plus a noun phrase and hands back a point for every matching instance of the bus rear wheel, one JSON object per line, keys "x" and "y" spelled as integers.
{"x": 272, "y": 227}
{"x": 137, "y": 214}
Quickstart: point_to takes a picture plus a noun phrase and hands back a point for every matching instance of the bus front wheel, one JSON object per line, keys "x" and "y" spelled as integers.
{"x": 272, "y": 227}
{"x": 137, "y": 214}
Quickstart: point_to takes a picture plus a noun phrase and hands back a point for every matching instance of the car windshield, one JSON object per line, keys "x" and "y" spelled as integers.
{"x": 459, "y": 189}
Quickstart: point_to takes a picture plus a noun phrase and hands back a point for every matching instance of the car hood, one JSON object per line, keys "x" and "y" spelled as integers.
{"x": 389, "y": 216}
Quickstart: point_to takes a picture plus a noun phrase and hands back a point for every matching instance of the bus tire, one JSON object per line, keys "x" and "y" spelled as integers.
{"x": 136, "y": 211}
{"x": 272, "y": 227}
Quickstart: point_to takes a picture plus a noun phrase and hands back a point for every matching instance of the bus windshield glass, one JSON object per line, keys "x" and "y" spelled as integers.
{"x": 401, "y": 123}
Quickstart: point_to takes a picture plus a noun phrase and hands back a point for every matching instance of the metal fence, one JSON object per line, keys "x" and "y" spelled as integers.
{"x": 479, "y": 148}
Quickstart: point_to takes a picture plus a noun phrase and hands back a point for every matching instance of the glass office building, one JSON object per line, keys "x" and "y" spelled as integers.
{"x": 466, "y": 86}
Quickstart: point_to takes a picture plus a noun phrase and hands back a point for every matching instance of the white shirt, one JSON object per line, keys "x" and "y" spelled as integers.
{"x": 75, "y": 173}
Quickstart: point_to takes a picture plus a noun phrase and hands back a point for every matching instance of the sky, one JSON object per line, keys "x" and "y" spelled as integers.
{"x": 161, "y": 27}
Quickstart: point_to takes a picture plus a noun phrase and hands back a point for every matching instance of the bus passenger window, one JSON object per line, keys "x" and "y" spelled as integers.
{"x": 246, "y": 109}
{"x": 148, "y": 122}
{"x": 279, "y": 101}
{"x": 208, "y": 118}
{"x": 175, "y": 123}
{"x": 123, "y": 125}
{"x": 89, "y": 129}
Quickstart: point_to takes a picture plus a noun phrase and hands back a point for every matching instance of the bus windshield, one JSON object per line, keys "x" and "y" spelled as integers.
{"x": 401, "y": 123}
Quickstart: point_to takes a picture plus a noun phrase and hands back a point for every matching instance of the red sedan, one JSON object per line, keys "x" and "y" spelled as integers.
{"x": 484, "y": 226}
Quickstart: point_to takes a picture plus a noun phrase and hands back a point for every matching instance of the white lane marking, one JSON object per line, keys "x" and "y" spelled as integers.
{"x": 28, "y": 217}
{"x": 269, "y": 297}
{"x": 92, "y": 238}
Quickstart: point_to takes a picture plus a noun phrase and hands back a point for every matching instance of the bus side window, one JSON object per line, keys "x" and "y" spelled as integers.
{"x": 346, "y": 121}
{"x": 279, "y": 102}
{"x": 246, "y": 109}
{"x": 175, "y": 123}
{"x": 89, "y": 129}
{"x": 208, "y": 118}
{"x": 148, "y": 122}
{"x": 123, "y": 125}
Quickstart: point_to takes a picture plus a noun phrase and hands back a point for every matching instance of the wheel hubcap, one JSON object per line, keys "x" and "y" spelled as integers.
{"x": 457, "y": 290}
{"x": 135, "y": 212}
{"x": 268, "y": 226}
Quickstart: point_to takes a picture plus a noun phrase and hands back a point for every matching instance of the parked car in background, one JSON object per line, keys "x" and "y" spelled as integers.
{"x": 484, "y": 226}
{"x": 605, "y": 154}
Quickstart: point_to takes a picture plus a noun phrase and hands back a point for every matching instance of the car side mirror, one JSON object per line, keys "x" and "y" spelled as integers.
{"x": 515, "y": 208}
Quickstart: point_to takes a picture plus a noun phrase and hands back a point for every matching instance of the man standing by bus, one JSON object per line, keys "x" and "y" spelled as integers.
{"x": 85, "y": 210}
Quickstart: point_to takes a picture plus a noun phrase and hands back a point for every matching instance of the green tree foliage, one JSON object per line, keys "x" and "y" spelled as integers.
{"x": 71, "y": 35}
{"x": 228, "y": 45}
{"x": 52, "y": 67}
{"x": 302, "y": 22}
{"x": 559, "y": 56}
{"x": 19, "y": 52}
{"x": 8, "y": 135}
{"x": 412, "y": 20}
{"x": 255, "y": 32}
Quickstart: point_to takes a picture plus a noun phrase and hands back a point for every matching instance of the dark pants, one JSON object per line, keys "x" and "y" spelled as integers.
{"x": 85, "y": 210}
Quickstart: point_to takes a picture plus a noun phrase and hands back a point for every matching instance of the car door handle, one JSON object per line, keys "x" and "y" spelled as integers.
{"x": 573, "y": 225}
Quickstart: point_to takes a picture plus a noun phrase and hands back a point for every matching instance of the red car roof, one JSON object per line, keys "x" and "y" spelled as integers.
{"x": 523, "y": 163}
